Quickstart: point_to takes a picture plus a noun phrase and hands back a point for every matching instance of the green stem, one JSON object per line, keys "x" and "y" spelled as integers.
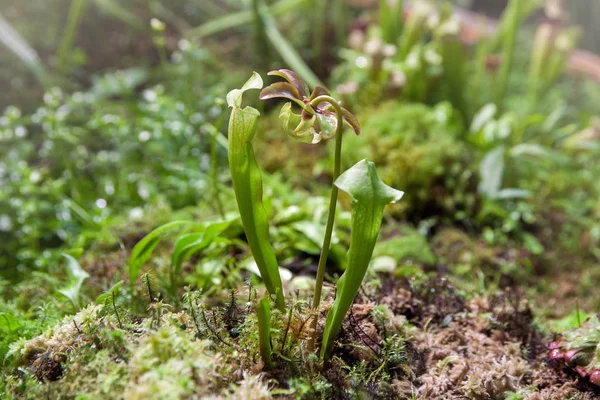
{"x": 320, "y": 22}
{"x": 330, "y": 218}
{"x": 73, "y": 20}
{"x": 214, "y": 168}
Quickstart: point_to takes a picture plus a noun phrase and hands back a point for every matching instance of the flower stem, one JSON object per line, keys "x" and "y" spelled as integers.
{"x": 330, "y": 218}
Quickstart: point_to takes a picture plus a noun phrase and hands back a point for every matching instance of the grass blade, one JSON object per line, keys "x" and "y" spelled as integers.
{"x": 239, "y": 18}
{"x": 285, "y": 48}
{"x": 76, "y": 11}
{"x": 144, "y": 248}
{"x": 19, "y": 46}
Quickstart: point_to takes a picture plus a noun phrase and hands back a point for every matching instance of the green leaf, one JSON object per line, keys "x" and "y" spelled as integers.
{"x": 144, "y": 248}
{"x": 76, "y": 276}
{"x": 192, "y": 243}
{"x": 104, "y": 297}
{"x": 8, "y": 323}
{"x": 483, "y": 116}
{"x": 491, "y": 170}
{"x": 362, "y": 183}
{"x": 248, "y": 189}
{"x": 234, "y": 98}
{"x": 369, "y": 197}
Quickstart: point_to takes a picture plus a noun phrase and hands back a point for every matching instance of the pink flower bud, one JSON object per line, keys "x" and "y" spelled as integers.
{"x": 595, "y": 377}
{"x": 556, "y": 354}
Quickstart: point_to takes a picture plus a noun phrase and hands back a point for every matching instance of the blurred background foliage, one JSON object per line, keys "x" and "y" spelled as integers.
{"x": 114, "y": 123}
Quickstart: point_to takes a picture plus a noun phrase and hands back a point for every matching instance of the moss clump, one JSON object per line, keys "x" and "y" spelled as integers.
{"x": 471, "y": 259}
{"x": 417, "y": 149}
{"x": 88, "y": 356}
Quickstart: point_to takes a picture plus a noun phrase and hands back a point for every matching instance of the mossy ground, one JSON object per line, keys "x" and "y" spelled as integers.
{"x": 464, "y": 293}
{"x": 409, "y": 338}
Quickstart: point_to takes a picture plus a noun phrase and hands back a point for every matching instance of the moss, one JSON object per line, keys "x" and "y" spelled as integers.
{"x": 167, "y": 364}
{"x": 473, "y": 261}
{"x": 407, "y": 248}
{"x": 417, "y": 149}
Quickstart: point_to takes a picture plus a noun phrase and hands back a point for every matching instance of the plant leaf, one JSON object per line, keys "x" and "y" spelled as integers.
{"x": 8, "y": 323}
{"x": 280, "y": 90}
{"x": 76, "y": 276}
{"x": 192, "y": 243}
{"x": 144, "y": 248}
{"x": 319, "y": 91}
{"x": 351, "y": 120}
{"x": 362, "y": 183}
{"x": 294, "y": 79}
{"x": 491, "y": 170}
{"x": 248, "y": 189}
{"x": 234, "y": 97}
{"x": 369, "y": 197}
{"x": 483, "y": 116}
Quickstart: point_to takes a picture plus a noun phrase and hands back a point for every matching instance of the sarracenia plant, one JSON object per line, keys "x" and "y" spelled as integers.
{"x": 247, "y": 185}
{"x": 369, "y": 197}
{"x": 321, "y": 117}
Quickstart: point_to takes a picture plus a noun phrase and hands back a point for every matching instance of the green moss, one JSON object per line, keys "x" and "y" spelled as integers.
{"x": 407, "y": 248}
{"x": 418, "y": 150}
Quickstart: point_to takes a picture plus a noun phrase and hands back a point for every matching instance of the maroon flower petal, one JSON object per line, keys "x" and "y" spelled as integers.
{"x": 294, "y": 79}
{"x": 319, "y": 91}
{"x": 279, "y": 89}
{"x": 351, "y": 120}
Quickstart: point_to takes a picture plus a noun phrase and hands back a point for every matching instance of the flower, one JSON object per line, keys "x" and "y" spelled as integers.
{"x": 319, "y": 117}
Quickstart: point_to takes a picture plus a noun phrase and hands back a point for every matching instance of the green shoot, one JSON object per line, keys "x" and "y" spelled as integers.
{"x": 390, "y": 20}
{"x": 369, "y": 197}
{"x": 247, "y": 185}
{"x": 263, "y": 314}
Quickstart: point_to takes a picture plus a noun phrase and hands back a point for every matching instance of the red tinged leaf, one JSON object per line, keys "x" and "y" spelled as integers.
{"x": 351, "y": 120}
{"x": 319, "y": 91}
{"x": 294, "y": 79}
{"x": 279, "y": 90}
